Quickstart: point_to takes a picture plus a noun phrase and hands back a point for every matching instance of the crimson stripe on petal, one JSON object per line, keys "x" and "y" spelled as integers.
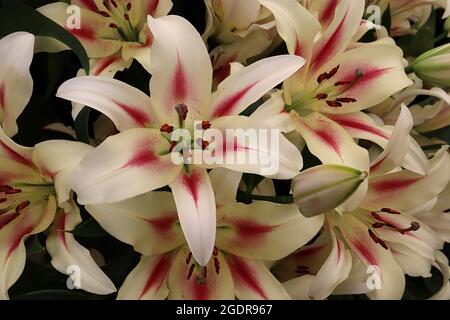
{"x": 61, "y": 227}
{"x": 83, "y": 33}
{"x": 15, "y": 156}
{"x": 138, "y": 116}
{"x": 179, "y": 83}
{"x": 152, "y": 7}
{"x": 243, "y": 273}
{"x": 251, "y": 229}
{"x": 227, "y": 105}
{"x": 90, "y": 4}
{"x": 192, "y": 183}
{"x": 354, "y": 124}
{"x": 17, "y": 238}
{"x": 157, "y": 275}
{"x": 2, "y": 96}
{"x": 392, "y": 185}
{"x": 105, "y": 63}
{"x": 366, "y": 253}
{"x": 163, "y": 224}
{"x": 141, "y": 158}
{"x": 327, "y": 15}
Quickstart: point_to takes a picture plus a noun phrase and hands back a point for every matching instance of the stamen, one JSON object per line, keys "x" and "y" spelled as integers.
{"x": 377, "y": 240}
{"x": 113, "y": 26}
{"x": 191, "y": 271}
{"x": 2, "y": 200}
{"x": 13, "y": 191}
{"x": 105, "y": 14}
{"x": 173, "y": 144}
{"x": 376, "y": 216}
{"x": 414, "y": 227}
{"x": 166, "y": 128}
{"x": 215, "y": 252}
{"x": 334, "y": 104}
{"x": 216, "y": 265}
{"x": 342, "y": 83}
{"x": 129, "y": 6}
{"x": 378, "y": 225}
{"x": 114, "y": 3}
{"x": 106, "y": 5}
{"x": 321, "y": 96}
{"x": 188, "y": 258}
{"x": 182, "y": 110}
{"x": 333, "y": 72}
{"x": 391, "y": 211}
{"x": 322, "y": 77}
{"x": 447, "y": 210}
{"x": 22, "y": 206}
{"x": 346, "y": 100}
{"x": 5, "y": 188}
{"x": 206, "y": 125}
{"x": 126, "y": 16}
{"x": 205, "y": 273}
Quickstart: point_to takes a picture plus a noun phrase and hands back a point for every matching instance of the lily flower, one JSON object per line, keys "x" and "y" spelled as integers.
{"x": 379, "y": 238}
{"x": 16, "y": 83}
{"x": 247, "y": 235}
{"x": 35, "y": 193}
{"x": 113, "y": 32}
{"x": 340, "y": 77}
{"x": 434, "y": 66}
{"x": 141, "y": 157}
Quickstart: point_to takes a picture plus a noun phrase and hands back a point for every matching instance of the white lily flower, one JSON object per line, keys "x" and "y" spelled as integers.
{"x": 113, "y": 32}
{"x": 247, "y": 235}
{"x": 140, "y": 158}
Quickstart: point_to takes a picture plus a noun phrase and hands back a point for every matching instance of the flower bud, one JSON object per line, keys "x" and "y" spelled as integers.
{"x": 323, "y": 188}
{"x": 434, "y": 66}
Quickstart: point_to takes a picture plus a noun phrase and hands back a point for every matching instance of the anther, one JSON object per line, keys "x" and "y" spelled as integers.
{"x": 166, "y": 128}
{"x": 414, "y": 227}
{"x": 377, "y": 240}
{"x": 216, "y": 265}
{"x": 104, "y": 13}
{"x": 215, "y": 252}
{"x": 5, "y": 188}
{"x": 206, "y": 125}
{"x": 13, "y": 191}
{"x": 129, "y": 6}
{"x": 334, "y": 104}
{"x": 3, "y": 200}
{"x": 188, "y": 258}
{"x": 447, "y": 210}
{"x": 114, "y": 3}
{"x": 378, "y": 225}
{"x": 126, "y": 16}
{"x": 321, "y": 96}
{"x": 113, "y": 26}
{"x": 333, "y": 72}
{"x": 391, "y": 211}
{"x": 322, "y": 77}
{"x": 22, "y": 206}
{"x": 346, "y": 100}
{"x": 342, "y": 83}
{"x": 191, "y": 271}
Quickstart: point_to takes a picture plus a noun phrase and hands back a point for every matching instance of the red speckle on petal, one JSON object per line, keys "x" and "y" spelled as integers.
{"x": 192, "y": 183}
{"x": 392, "y": 185}
{"x": 244, "y": 275}
{"x": 17, "y": 239}
{"x": 227, "y": 105}
{"x": 141, "y": 158}
{"x": 157, "y": 274}
{"x": 179, "y": 83}
{"x": 139, "y": 117}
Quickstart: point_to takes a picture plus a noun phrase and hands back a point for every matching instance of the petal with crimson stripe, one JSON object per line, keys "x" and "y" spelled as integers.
{"x": 253, "y": 280}
{"x": 264, "y": 230}
{"x": 125, "y": 105}
{"x": 125, "y": 165}
{"x": 148, "y": 222}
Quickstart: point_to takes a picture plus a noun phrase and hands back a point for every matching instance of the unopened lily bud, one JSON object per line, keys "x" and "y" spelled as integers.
{"x": 323, "y": 188}
{"x": 434, "y": 66}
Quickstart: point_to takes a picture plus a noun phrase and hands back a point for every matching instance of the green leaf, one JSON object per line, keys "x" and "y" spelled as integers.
{"x": 16, "y": 16}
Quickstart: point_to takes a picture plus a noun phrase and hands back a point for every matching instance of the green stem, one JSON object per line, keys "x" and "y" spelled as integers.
{"x": 409, "y": 69}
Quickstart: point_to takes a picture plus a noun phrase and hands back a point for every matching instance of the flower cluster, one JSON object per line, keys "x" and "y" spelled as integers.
{"x": 288, "y": 152}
